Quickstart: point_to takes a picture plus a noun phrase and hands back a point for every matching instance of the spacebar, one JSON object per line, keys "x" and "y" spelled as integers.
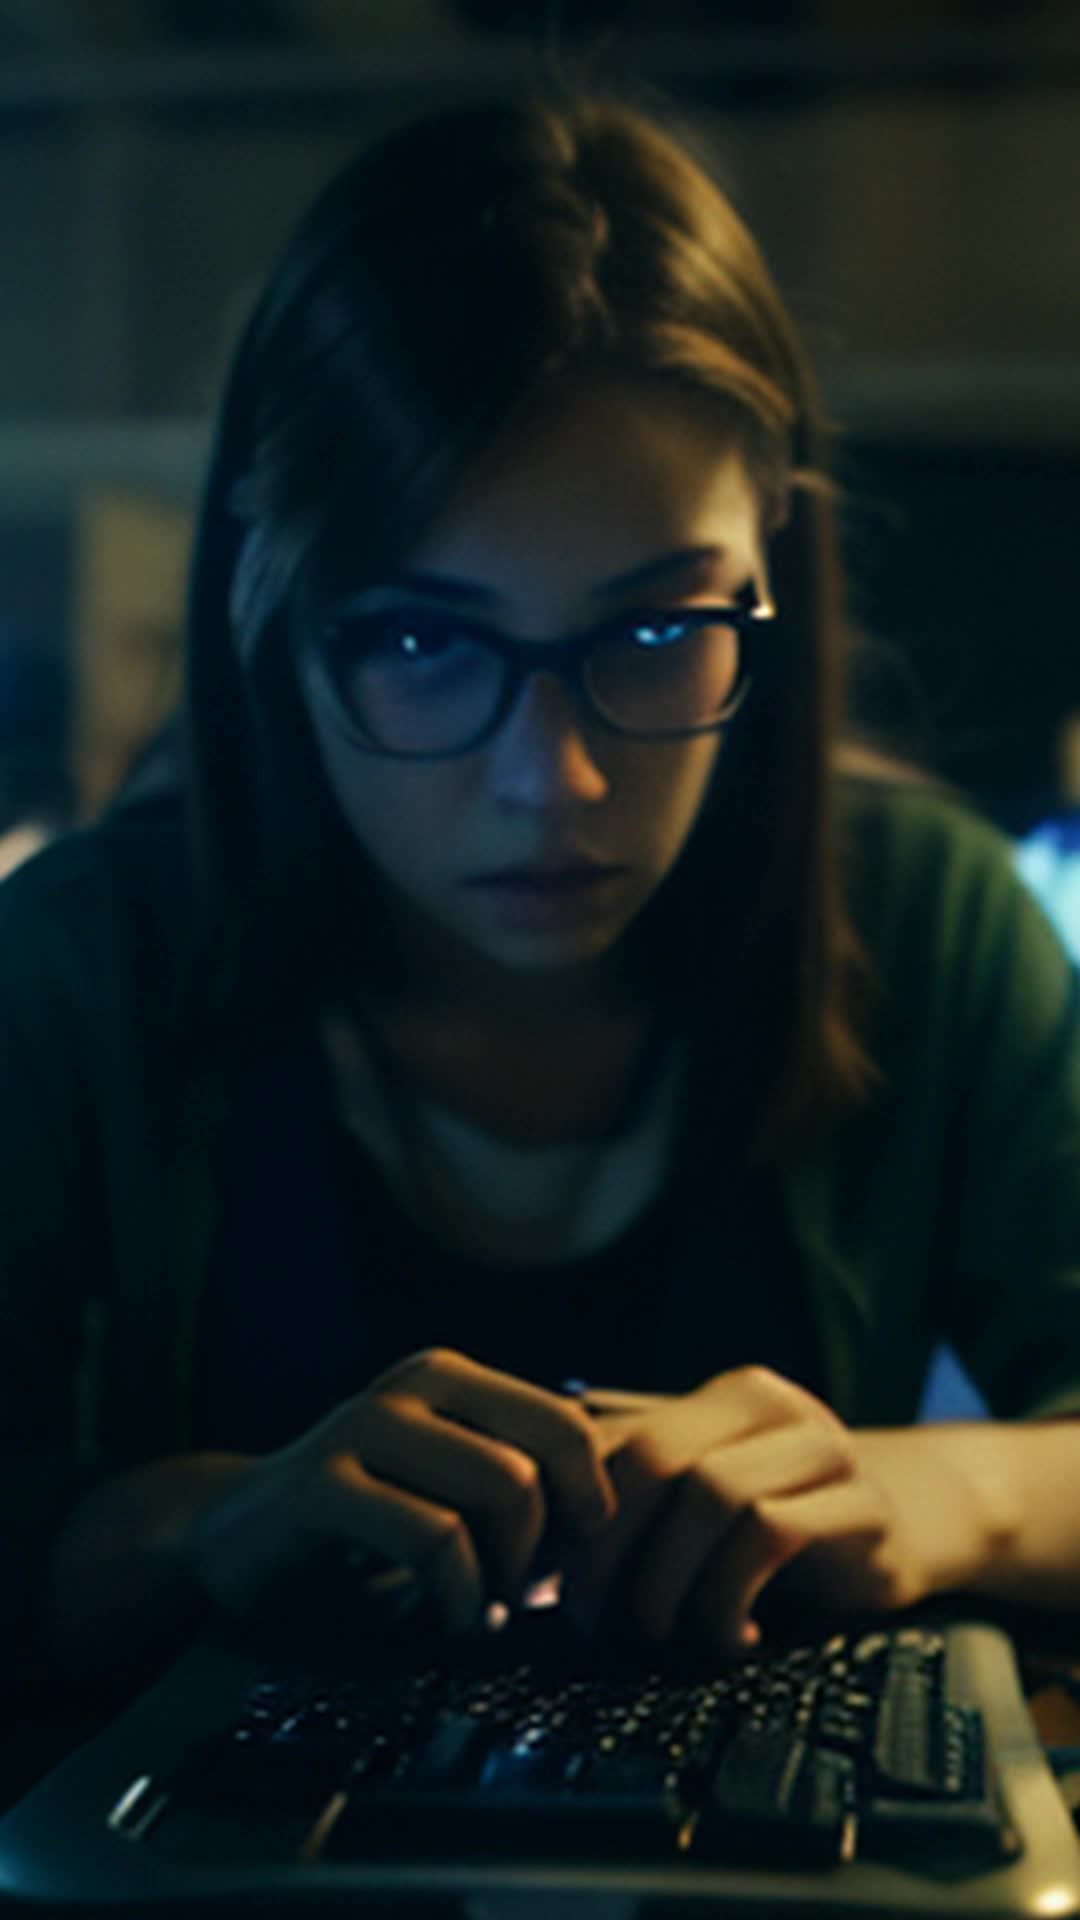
{"x": 452, "y": 1823}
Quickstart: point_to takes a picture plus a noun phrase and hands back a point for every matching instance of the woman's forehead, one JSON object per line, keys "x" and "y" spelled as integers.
{"x": 595, "y": 492}
{"x": 597, "y": 482}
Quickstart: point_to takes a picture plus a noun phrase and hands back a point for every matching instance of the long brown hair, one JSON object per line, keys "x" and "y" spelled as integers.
{"x": 445, "y": 283}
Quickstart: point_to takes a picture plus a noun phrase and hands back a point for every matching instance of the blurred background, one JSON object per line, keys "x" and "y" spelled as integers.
{"x": 912, "y": 168}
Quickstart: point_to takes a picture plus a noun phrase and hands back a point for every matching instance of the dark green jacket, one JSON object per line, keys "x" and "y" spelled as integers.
{"x": 948, "y": 1206}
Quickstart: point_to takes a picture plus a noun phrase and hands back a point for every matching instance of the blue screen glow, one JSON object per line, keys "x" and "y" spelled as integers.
{"x": 1048, "y": 858}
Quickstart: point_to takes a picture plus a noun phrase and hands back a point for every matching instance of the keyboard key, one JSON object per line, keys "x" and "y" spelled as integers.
{"x": 452, "y": 1754}
{"x": 964, "y": 1834}
{"x": 908, "y": 1746}
{"x": 773, "y": 1800}
{"x": 536, "y": 1763}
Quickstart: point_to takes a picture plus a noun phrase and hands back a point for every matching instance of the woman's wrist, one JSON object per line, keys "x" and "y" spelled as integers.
{"x": 1026, "y": 1473}
{"x": 954, "y": 1490}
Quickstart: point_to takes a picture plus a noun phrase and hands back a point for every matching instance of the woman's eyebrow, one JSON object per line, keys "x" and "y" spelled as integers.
{"x": 441, "y": 586}
{"x": 445, "y": 586}
{"x": 678, "y": 561}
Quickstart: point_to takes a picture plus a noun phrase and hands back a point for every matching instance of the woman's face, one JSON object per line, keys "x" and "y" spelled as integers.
{"x": 614, "y": 482}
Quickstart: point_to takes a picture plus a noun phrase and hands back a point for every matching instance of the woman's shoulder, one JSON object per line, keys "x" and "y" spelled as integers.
{"x": 900, "y": 822}
{"x": 934, "y": 887}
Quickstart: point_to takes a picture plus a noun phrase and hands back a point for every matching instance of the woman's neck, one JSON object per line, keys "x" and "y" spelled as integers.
{"x": 560, "y": 1078}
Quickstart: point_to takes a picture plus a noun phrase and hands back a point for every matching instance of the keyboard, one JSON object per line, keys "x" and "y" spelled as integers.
{"x": 891, "y": 1771}
{"x": 857, "y": 1747}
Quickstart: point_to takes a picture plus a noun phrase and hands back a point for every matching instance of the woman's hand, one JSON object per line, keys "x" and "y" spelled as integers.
{"x": 721, "y": 1490}
{"x": 447, "y": 1469}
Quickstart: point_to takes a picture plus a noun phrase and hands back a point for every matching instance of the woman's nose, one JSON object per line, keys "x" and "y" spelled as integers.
{"x": 541, "y": 750}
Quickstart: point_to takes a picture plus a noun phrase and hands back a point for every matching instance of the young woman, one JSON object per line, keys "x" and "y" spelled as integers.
{"x": 523, "y": 984}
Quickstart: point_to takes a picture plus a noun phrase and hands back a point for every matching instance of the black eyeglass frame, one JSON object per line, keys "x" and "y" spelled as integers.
{"x": 567, "y": 659}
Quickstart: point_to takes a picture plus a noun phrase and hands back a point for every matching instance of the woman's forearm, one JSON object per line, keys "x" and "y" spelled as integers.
{"x": 119, "y": 1596}
{"x": 995, "y": 1505}
{"x": 988, "y": 1507}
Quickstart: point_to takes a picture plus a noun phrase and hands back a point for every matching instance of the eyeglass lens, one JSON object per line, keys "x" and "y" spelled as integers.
{"x": 418, "y": 689}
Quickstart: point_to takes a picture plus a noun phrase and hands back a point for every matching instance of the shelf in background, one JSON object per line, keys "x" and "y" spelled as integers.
{"x": 1010, "y": 405}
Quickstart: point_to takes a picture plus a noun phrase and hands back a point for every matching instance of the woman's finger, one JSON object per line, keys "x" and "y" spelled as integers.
{"x": 354, "y": 1508}
{"x": 552, "y": 1429}
{"x": 718, "y": 1612}
{"x": 710, "y": 1496}
{"x": 497, "y": 1486}
{"x": 649, "y": 1454}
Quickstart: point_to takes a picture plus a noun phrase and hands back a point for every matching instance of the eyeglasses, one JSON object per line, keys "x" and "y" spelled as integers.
{"x": 425, "y": 684}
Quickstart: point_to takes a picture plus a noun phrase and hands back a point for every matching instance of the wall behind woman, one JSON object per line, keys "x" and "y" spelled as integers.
{"x": 911, "y": 170}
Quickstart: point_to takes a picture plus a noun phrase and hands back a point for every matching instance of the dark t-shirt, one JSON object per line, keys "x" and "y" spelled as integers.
{"x": 317, "y": 1280}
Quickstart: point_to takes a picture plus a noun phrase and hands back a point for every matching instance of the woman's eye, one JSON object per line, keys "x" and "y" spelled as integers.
{"x": 655, "y": 630}
{"x": 403, "y": 636}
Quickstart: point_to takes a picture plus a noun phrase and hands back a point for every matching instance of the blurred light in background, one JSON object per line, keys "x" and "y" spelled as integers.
{"x": 1048, "y": 858}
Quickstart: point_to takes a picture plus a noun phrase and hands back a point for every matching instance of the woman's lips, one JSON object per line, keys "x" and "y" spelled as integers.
{"x": 547, "y": 902}
{"x": 543, "y": 880}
